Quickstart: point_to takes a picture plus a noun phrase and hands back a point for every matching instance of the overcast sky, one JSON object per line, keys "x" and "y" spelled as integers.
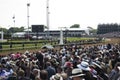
{"x": 63, "y": 13}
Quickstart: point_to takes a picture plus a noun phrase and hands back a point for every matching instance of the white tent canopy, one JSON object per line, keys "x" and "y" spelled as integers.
{"x": 47, "y": 47}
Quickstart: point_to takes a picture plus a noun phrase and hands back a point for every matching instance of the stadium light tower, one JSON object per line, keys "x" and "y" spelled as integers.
{"x": 28, "y": 5}
{"x": 47, "y": 16}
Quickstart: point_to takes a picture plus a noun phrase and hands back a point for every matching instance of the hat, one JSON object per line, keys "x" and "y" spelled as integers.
{"x": 84, "y": 66}
{"x": 68, "y": 65}
{"x": 94, "y": 73}
{"x": 76, "y": 72}
{"x": 85, "y": 59}
{"x": 56, "y": 77}
{"x": 97, "y": 63}
{"x": 118, "y": 67}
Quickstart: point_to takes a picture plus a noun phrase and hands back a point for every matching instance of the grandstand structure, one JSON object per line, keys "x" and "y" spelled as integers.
{"x": 55, "y": 33}
{"x": 108, "y": 30}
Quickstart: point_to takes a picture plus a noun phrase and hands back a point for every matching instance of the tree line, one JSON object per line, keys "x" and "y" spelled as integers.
{"x": 12, "y": 29}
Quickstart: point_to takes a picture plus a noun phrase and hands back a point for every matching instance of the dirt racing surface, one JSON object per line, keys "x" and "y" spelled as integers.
{"x": 108, "y": 40}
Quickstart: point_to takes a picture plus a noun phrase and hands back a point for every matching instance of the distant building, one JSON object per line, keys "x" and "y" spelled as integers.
{"x": 19, "y": 34}
{"x": 108, "y": 28}
{"x": 53, "y": 33}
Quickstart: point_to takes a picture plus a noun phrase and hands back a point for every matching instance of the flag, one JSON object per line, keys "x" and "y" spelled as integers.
{"x": 28, "y": 4}
{"x": 13, "y": 17}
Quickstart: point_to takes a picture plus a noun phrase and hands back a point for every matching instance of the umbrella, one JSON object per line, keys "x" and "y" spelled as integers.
{"x": 47, "y": 47}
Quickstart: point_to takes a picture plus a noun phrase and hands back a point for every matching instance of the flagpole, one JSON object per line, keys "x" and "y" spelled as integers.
{"x": 13, "y": 26}
{"x": 47, "y": 14}
{"x": 28, "y": 4}
{"x": 14, "y": 20}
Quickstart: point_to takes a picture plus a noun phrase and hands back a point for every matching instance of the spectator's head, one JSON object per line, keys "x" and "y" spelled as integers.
{"x": 64, "y": 76}
{"x": 43, "y": 74}
{"x": 117, "y": 65}
{"x": 14, "y": 74}
{"x": 59, "y": 69}
{"x": 36, "y": 72}
{"x": 21, "y": 73}
{"x": 68, "y": 65}
{"x": 48, "y": 64}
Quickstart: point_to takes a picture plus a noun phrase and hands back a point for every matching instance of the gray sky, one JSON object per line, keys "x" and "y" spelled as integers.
{"x": 63, "y": 13}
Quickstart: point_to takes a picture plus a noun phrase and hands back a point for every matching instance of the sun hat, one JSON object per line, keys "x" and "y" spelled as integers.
{"x": 56, "y": 77}
{"x": 118, "y": 67}
{"x": 76, "y": 72}
{"x": 96, "y": 63}
{"x": 84, "y": 66}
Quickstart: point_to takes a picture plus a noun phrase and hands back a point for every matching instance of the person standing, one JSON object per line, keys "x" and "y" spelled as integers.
{"x": 40, "y": 58}
{"x": 50, "y": 69}
{"x": 115, "y": 73}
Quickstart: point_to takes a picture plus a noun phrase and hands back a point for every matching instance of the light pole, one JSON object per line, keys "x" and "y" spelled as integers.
{"x": 2, "y": 34}
{"x": 47, "y": 16}
{"x": 28, "y": 4}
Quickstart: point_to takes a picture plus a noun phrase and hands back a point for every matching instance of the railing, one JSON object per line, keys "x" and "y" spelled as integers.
{"x": 39, "y": 45}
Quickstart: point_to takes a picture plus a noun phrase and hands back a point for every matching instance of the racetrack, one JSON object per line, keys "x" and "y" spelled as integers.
{"x": 108, "y": 40}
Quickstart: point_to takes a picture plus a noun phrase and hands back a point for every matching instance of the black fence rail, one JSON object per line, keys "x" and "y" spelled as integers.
{"x": 9, "y": 46}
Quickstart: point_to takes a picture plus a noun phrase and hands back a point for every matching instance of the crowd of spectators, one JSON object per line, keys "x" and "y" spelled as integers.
{"x": 70, "y": 62}
{"x": 110, "y": 35}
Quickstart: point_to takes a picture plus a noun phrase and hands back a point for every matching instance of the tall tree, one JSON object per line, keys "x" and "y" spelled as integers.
{"x": 21, "y": 29}
{"x": 75, "y": 26}
{"x": 92, "y": 30}
{"x": 4, "y": 30}
{"x": 16, "y": 29}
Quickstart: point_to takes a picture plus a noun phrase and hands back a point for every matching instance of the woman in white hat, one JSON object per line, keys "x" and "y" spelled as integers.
{"x": 77, "y": 74}
{"x": 84, "y": 66}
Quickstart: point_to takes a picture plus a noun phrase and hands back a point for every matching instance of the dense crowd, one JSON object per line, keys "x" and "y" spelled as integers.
{"x": 71, "y": 62}
{"x": 111, "y": 34}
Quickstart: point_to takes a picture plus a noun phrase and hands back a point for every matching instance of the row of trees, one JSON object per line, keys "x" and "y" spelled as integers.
{"x": 12, "y": 29}
{"x": 8, "y": 32}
